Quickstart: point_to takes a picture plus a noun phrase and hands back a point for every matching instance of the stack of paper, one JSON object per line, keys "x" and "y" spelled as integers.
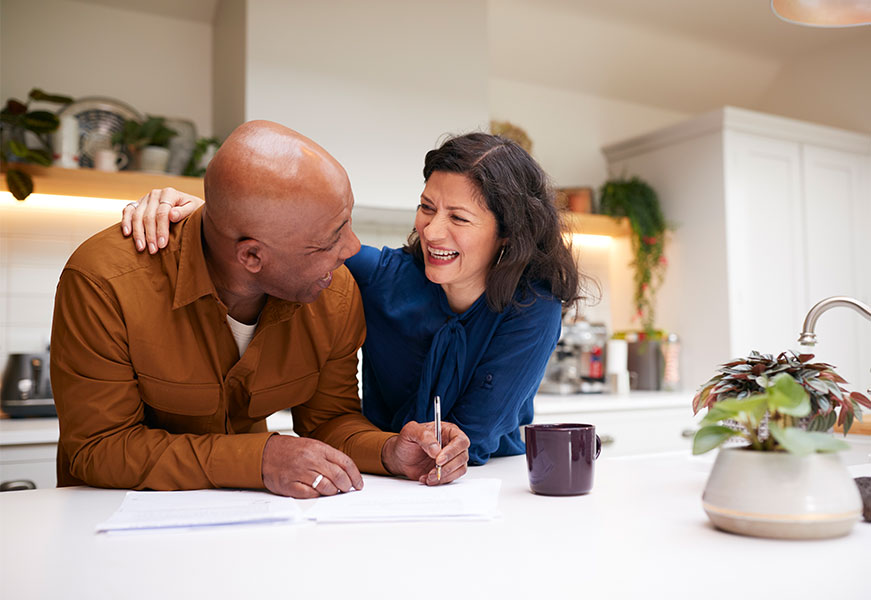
{"x": 198, "y": 508}
{"x": 389, "y": 499}
{"x": 381, "y": 499}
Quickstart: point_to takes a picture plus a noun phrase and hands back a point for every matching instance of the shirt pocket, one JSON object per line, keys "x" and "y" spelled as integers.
{"x": 280, "y": 397}
{"x": 188, "y": 399}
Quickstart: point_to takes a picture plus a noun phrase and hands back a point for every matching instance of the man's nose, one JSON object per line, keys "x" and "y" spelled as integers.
{"x": 352, "y": 245}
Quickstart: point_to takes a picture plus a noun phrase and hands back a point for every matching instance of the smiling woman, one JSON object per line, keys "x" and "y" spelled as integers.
{"x": 470, "y": 309}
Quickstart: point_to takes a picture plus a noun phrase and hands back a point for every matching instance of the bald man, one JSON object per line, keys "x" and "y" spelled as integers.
{"x": 165, "y": 366}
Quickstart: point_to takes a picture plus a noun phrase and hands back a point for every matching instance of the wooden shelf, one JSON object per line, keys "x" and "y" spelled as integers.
{"x": 596, "y": 224}
{"x": 132, "y": 185}
{"x": 125, "y": 185}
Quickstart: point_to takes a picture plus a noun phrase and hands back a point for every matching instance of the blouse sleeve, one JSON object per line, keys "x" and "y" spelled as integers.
{"x": 364, "y": 264}
{"x": 500, "y": 393}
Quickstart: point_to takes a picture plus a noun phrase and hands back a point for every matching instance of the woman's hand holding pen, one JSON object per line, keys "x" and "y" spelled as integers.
{"x": 415, "y": 452}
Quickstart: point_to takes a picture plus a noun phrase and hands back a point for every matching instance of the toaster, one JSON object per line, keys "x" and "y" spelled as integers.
{"x": 26, "y": 390}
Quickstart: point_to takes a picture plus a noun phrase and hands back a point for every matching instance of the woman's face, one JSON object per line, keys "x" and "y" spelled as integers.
{"x": 458, "y": 237}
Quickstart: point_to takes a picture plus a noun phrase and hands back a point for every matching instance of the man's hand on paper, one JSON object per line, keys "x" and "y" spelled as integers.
{"x": 292, "y": 466}
{"x": 415, "y": 452}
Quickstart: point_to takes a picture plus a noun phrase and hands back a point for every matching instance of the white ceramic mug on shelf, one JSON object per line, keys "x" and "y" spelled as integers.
{"x": 107, "y": 159}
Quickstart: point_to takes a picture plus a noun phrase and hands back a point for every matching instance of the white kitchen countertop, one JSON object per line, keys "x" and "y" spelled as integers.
{"x": 45, "y": 430}
{"x": 641, "y": 533}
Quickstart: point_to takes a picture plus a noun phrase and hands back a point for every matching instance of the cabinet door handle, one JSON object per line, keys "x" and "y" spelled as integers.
{"x": 17, "y": 484}
{"x": 688, "y": 433}
{"x": 607, "y": 440}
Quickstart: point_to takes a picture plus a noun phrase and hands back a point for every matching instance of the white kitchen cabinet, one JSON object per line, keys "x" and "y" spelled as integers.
{"x": 28, "y": 451}
{"x": 768, "y": 216}
{"x": 637, "y": 423}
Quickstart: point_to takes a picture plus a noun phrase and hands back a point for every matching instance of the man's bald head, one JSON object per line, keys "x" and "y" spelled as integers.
{"x": 261, "y": 172}
{"x": 277, "y": 218}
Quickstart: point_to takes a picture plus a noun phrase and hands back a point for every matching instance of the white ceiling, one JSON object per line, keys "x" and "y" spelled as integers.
{"x": 683, "y": 55}
{"x": 739, "y": 25}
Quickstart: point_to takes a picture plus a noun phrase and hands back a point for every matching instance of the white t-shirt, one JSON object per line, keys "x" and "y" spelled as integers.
{"x": 242, "y": 333}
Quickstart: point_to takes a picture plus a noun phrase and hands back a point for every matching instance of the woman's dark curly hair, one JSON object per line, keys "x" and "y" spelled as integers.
{"x": 516, "y": 190}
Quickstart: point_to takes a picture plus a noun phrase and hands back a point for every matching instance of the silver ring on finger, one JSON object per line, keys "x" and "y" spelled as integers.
{"x": 133, "y": 204}
{"x": 317, "y": 481}
{"x": 165, "y": 202}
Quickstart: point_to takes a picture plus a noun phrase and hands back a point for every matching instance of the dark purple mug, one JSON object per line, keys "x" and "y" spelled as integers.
{"x": 560, "y": 458}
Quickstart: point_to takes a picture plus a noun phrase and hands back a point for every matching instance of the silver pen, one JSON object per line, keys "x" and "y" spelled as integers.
{"x": 437, "y": 408}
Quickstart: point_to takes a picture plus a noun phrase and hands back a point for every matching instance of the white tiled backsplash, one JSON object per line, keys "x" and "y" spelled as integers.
{"x": 35, "y": 244}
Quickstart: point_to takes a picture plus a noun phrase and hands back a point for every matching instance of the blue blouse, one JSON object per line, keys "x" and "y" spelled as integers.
{"x": 485, "y": 366}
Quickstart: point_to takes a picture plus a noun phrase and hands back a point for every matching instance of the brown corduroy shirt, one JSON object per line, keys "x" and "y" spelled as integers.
{"x": 151, "y": 392}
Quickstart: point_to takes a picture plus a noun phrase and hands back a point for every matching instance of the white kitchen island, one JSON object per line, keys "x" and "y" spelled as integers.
{"x": 641, "y": 533}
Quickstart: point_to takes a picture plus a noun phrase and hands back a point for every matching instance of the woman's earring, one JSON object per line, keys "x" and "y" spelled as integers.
{"x": 501, "y": 254}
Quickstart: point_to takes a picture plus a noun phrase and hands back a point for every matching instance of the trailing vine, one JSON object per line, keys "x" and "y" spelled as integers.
{"x": 634, "y": 199}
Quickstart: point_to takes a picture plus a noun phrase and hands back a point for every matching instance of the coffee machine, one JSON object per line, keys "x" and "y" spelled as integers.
{"x": 578, "y": 363}
{"x": 26, "y": 390}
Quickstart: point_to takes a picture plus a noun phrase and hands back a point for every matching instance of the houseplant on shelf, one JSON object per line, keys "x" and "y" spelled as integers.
{"x": 17, "y": 121}
{"x": 634, "y": 199}
{"x": 147, "y": 143}
{"x": 784, "y": 481}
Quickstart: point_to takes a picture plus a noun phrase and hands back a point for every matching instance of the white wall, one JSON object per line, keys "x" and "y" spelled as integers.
{"x": 376, "y": 83}
{"x": 569, "y": 129}
{"x": 228, "y": 67}
{"x": 156, "y": 64}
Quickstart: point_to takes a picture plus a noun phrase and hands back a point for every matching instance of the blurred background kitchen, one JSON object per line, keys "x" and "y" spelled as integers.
{"x": 768, "y": 203}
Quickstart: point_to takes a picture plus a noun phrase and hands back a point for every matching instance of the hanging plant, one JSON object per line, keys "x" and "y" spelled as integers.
{"x": 636, "y": 200}
{"x": 17, "y": 120}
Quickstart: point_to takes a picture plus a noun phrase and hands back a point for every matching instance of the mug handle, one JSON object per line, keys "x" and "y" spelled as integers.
{"x": 121, "y": 160}
{"x": 598, "y": 446}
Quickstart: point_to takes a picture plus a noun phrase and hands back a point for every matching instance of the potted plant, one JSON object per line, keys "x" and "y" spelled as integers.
{"x": 147, "y": 142}
{"x": 204, "y": 150}
{"x": 742, "y": 377}
{"x": 637, "y": 201}
{"x": 776, "y": 478}
{"x": 17, "y": 121}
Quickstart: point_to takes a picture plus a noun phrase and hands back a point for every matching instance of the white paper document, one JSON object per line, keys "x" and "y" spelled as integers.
{"x": 390, "y": 499}
{"x": 198, "y": 508}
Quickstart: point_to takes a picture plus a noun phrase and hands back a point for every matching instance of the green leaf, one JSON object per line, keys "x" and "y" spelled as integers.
{"x": 39, "y": 95}
{"x": 40, "y": 157}
{"x": 787, "y": 397}
{"x": 794, "y": 441}
{"x": 802, "y": 443}
{"x": 716, "y": 414}
{"x": 708, "y": 438}
{"x": 19, "y": 149}
{"x": 41, "y": 121}
{"x": 753, "y": 407}
{"x": 20, "y": 184}
{"x": 823, "y": 422}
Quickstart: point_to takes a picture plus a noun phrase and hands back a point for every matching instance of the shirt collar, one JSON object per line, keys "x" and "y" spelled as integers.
{"x": 193, "y": 281}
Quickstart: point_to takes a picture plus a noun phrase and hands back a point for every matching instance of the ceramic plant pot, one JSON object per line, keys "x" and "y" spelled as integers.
{"x": 781, "y": 495}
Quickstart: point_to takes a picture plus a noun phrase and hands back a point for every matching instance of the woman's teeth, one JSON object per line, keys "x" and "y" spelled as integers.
{"x": 443, "y": 254}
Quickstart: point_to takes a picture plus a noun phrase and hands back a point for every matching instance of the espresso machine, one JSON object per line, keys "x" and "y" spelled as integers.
{"x": 578, "y": 363}
{"x": 26, "y": 388}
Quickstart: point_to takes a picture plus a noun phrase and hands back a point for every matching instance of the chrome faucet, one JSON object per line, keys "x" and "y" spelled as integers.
{"x": 808, "y": 337}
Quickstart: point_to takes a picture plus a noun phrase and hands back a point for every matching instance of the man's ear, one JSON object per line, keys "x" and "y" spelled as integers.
{"x": 249, "y": 253}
